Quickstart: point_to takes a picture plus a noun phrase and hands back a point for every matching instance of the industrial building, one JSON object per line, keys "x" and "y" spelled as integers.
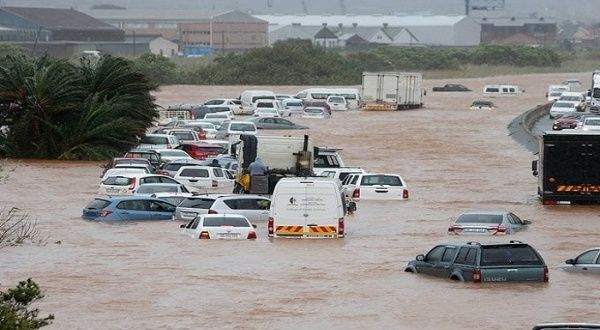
{"x": 426, "y": 30}
{"x": 191, "y": 29}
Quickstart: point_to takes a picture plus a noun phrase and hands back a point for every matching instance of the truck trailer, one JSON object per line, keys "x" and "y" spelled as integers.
{"x": 391, "y": 90}
{"x": 567, "y": 167}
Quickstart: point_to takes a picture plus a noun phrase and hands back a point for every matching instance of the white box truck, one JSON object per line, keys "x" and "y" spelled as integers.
{"x": 391, "y": 90}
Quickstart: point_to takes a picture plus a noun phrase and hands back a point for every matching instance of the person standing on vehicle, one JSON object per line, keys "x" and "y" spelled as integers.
{"x": 257, "y": 168}
{"x": 214, "y": 163}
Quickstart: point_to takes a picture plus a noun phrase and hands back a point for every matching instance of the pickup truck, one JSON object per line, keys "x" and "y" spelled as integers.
{"x": 451, "y": 88}
{"x": 482, "y": 262}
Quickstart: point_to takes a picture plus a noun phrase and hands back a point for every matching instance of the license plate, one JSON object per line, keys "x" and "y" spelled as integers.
{"x": 188, "y": 215}
{"x": 109, "y": 189}
{"x": 229, "y": 235}
{"x": 475, "y": 230}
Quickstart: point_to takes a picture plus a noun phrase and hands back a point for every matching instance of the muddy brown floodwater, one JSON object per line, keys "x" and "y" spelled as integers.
{"x": 146, "y": 275}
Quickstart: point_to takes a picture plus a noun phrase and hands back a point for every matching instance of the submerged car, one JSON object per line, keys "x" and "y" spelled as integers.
{"x": 275, "y": 123}
{"x": 220, "y": 226}
{"x": 451, "y": 88}
{"x": 488, "y": 223}
{"x": 482, "y": 262}
{"x": 586, "y": 262}
{"x": 562, "y": 108}
{"x": 482, "y": 105}
{"x": 128, "y": 208}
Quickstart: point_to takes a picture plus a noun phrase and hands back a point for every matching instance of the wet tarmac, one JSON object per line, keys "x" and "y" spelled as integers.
{"x": 148, "y": 275}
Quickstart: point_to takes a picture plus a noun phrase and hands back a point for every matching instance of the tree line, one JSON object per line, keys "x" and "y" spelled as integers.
{"x": 299, "y": 62}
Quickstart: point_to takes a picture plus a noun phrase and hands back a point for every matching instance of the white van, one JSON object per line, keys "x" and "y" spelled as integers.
{"x": 497, "y": 90}
{"x": 307, "y": 208}
{"x": 555, "y": 91}
{"x": 321, "y": 94}
{"x": 249, "y": 97}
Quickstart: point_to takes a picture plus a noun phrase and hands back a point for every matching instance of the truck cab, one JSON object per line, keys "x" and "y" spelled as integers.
{"x": 326, "y": 158}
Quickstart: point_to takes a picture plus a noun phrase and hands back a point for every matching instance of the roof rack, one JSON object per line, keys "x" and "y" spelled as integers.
{"x": 473, "y": 243}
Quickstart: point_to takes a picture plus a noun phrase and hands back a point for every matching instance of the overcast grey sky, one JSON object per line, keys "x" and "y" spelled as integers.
{"x": 583, "y": 10}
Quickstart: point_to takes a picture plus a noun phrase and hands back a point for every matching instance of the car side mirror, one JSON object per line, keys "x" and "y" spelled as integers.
{"x": 420, "y": 257}
{"x": 182, "y": 225}
{"x": 570, "y": 262}
{"x": 534, "y": 168}
{"x": 254, "y": 226}
{"x": 589, "y": 92}
{"x": 526, "y": 222}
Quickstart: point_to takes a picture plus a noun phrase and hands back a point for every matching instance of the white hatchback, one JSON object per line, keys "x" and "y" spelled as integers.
{"x": 376, "y": 186}
{"x": 204, "y": 179}
{"x": 219, "y": 226}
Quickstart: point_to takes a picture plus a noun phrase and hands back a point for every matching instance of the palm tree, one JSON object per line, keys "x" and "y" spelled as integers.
{"x": 54, "y": 109}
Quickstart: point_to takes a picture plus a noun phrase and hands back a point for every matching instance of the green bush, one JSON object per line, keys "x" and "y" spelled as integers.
{"x": 14, "y": 308}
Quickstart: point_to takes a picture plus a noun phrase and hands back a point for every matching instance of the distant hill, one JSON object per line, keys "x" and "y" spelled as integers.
{"x": 581, "y": 10}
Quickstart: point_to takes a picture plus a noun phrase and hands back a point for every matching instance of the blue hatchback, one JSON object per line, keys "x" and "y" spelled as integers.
{"x": 128, "y": 208}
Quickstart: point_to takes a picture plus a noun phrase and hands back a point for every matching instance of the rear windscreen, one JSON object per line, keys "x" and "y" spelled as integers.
{"x": 499, "y": 255}
{"x": 155, "y": 140}
{"x": 197, "y": 203}
{"x": 294, "y": 104}
{"x": 98, "y": 204}
{"x": 372, "y": 180}
{"x": 194, "y": 172}
{"x": 242, "y": 127}
{"x": 146, "y": 189}
{"x": 118, "y": 181}
{"x": 480, "y": 218}
{"x": 226, "y": 221}
{"x": 184, "y": 136}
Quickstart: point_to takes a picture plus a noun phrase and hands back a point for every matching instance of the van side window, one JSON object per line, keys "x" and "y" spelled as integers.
{"x": 504, "y": 90}
{"x": 492, "y": 90}
{"x": 512, "y": 90}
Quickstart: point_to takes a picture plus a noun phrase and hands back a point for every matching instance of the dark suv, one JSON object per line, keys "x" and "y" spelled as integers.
{"x": 482, "y": 262}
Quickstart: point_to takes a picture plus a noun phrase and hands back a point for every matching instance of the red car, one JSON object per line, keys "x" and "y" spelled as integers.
{"x": 569, "y": 121}
{"x": 201, "y": 151}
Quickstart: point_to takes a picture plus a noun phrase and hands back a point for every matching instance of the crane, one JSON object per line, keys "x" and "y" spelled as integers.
{"x": 485, "y": 5}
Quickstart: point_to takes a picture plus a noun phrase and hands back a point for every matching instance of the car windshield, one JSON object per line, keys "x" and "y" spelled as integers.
{"x": 570, "y": 98}
{"x": 184, "y": 135}
{"x": 372, "y": 180}
{"x": 98, "y": 204}
{"x": 194, "y": 172}
{"x": 173, "y": 153}
{"x": 500, "y": 255}
{"x": 226, "y": 221}
{"x": 150, "y": 189}
{"x": 242, "y": 127}
{"x": 155, "y": 140}
{"x": 313, "y": 110}
{"x": 592, "y": 122}
{"x": 118, "y": 181}
{"x": 197, "y": 203}
{"x": 556, "y": 94}
{"x": 480, "y": 218}
{"x": 563, "y": 105}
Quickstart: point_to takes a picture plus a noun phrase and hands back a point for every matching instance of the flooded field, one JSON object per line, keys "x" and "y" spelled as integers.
{"x": 147, "y": 275}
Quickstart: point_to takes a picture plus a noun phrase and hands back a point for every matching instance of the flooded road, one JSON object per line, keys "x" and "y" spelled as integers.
{"x": 147, "y": 275}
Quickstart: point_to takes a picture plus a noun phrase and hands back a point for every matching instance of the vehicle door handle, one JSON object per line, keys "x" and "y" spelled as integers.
{"x": 584, "y": 268}
{"x": 124, "y": 212}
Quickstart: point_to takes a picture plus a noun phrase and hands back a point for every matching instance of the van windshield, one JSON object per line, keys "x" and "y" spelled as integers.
{"x": 262, "y": 97}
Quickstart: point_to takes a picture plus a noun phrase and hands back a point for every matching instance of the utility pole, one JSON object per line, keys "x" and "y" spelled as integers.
{"x": 134, "y": 43}
{"x": 223, "y": 41}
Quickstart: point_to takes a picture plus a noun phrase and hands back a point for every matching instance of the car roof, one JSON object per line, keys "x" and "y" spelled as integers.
{"x": 159, "y": 184}
{"x": 486, "y": 212}
{"x": 238, "y": 196}
{"x": 125, "y": 198}
{"x": 222, "y": 215}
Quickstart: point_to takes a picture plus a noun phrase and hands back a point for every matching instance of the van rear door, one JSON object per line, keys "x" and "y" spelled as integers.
{"x": 307, "y": 209}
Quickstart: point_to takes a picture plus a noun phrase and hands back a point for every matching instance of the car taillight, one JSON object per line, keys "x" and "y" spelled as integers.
{"x": 132, "y": 187}
{"x": 341, "y": 227}
{"x": 356, "y": 193}
{"x": 546, "y": 274}
{"x": 104, "y": 213}
{"x": 211, "y": 211}
{"x": 453, "y": 228}
{"x": 204, "y": 235}
{"x": 270, "y": 226}
{"x": 405, "y": 194}
{"x": 215, "y": 183}
{"x": 252, "y": 235}
{"x": 477, "y": 276}
{"x": 501, "y": 229}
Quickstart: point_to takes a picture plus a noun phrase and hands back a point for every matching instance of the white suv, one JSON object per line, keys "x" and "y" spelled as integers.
{"x": 204, "y": 178}
{"x": 375, "y": 186}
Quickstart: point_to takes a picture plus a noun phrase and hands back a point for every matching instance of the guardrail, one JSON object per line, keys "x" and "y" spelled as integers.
{"x": 521, "y": 128}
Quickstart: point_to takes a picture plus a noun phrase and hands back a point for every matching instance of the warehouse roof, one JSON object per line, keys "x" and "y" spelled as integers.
{"x": 55, "y": 18}
{"x": 368, "y": 20}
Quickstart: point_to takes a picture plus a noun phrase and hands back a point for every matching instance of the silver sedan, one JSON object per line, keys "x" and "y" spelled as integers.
{"x": 586, "y": 262}
{"x": 488, "y": 223}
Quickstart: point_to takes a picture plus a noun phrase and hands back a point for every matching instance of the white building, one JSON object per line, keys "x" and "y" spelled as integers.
{"x": 157, "y": 44}
{"x": 430, "y": 30}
